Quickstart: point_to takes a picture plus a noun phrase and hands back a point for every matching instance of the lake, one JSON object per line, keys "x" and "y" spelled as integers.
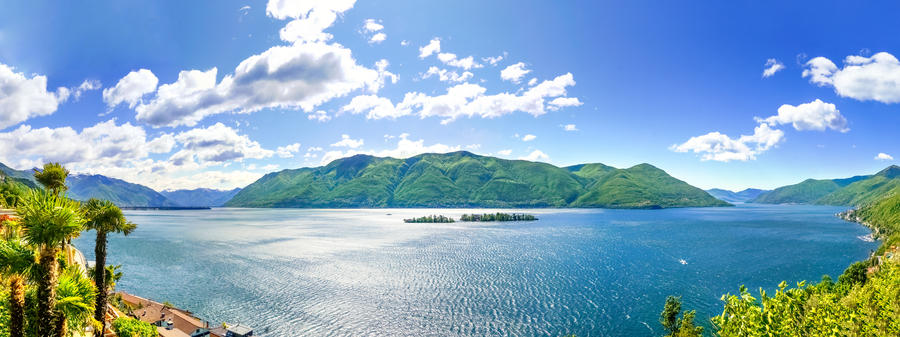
{"x": 297, "y": 272}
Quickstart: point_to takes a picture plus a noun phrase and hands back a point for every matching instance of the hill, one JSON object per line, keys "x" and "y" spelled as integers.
{"x": 854, "y": 191}
{"x": 201, "y": 197}
{"x": 120, "y": 192}
{"x": 463, "y": 179}
{"x": 731, "y": 196}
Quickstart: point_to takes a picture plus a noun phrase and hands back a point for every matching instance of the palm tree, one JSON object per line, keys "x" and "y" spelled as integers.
{"x": 103, "y": 217}
{"x": 48, "y": 221}
{"x": 16, "y": 262}
{"x": 53, "y": 177}
{"x": 75, "y": 298}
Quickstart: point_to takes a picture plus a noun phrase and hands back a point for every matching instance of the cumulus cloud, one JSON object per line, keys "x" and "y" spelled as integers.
{"x": 346, "y": 141}
{"x": 466, "y": 63}
{"x": 371, "y": 26}
{"x": 772, "y": 67}
{"x": 465, "y": 100}
{"x": 862, "y": 78}
{"x": 405, "y": 148}
{"x": 433, "y": 47}
{"x": 528, "y": 138}
{"x": 287, "y": 151}
{"x": 883, "y": 156}
{"x": 562, "y": 102}
{"x": 815, "y": 115}
{"x": 301, "y": 76}
{"x": 445, "y": 75}
{"x": 131, "y": 88}
{"x": 504, "y": 152}
{"x": 514, "y": 72}
{"x": 216, "y": 144}
{"x": 570, "y": 127}
{"x": 536, "y": 155}
{"x": 720, "y": 147}
{"x": 23, "y": 97}
{"x": 378, "y": 38}
{"x": 492, "y": 60}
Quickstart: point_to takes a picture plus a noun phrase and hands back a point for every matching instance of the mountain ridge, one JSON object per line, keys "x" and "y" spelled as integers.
{"x": 464, "y": 179}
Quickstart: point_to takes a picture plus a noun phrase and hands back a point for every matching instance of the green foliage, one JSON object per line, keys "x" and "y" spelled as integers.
{"x": 49, "y": 220}
{"x": 675, "y": 326}
{"x": 112, "y": 275}
{"x": 11, "y": 192}
{"x": 855, "y": 274}
{"x": 497, "y": 217}
{"x": 104, "y": 216}
{"x": 129, "y": 327}
{"x": 430, "y": 219}
{"x": 52, "y": 177}
{"x": 805, "y": 192}
{"x": 854, "y": 191}
{"x": 75, "y": 295}
{"x": 463, "y": 179}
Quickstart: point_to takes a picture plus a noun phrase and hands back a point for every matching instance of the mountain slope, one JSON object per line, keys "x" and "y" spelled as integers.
{"x": 120, "y": 192}
{"x": 854, "y": 191}
{"x": 463, "y": 179}
{"x": 731, "y": 196}
{"x": 24, "y": 177}
{"x": 201, "y": 197}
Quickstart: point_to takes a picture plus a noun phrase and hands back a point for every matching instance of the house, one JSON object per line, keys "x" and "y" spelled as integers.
{"x": 170, "y": 322}
{"x": 237, "y": 330}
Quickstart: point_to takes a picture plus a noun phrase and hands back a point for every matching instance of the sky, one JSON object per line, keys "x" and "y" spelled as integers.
{"x": 215, "y": 94}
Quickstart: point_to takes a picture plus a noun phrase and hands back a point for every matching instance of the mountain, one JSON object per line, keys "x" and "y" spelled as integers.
{"x": 854, "y": 191}
{"x": 201, "y": 197}
{"x": 120, "y": 192}
{"x": 24, "y": 177}
{"x": 731, "y": 196}
{"x": 463, "y": 179}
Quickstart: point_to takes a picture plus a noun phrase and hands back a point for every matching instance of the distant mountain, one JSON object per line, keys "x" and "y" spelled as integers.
{"x": 463, "y": 179}
{"x": 852, "y": 191}
{"x": 120, "y": 192}
{"x": 201, "y": 197}
{"x": 24, "y": 177}
{"x": 731, "y": 196}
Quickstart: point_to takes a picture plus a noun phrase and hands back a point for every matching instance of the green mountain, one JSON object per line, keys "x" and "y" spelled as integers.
{"x": 463, "y": 179}
{"x": 120, "y": 192}
{"x": 732, "y": 196}
{"x": 854, "y": 191}
{"x": 201, "y": 197}
{"x": 24, "y": 177}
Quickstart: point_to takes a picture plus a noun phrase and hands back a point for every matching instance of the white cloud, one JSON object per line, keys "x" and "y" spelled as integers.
{"x": 405, "y": 148}
{"x": 318, "y": 115}
{"x": 404, "y": 43}
{"x": 466, "y": 63}
{"x": 570, "y": 127}
{"x": 862, "y": 78}
{"x": 528, "y": 138}
{"x": 162, "y": 144}
{"x": 287, "y": 151}
{"x": 433, "y": 46}
{"x": 532, "y": 81}
{"x": 514, "y": 72}
{"x": 815, "y": 115}
{"x": 303, "y": 75}
{"x": 883, "y": 156}
{"x": 562, "y": 102}
{"x": 492, "y": 60}
{"x": 346, "y": 141}
{"x": 465, "y": 100}
{"x": 371, "y": 26}
{"x": 22, "y": 98}
{"x": 772, "y": 67}
{"x": 378, "y": 38}
{"x": 536, "y": 155}
{"x": 216, "y": 144}
{"x": 447, "y": 75}
{"x": 87, "y": 85}
{"x": 504, "y": 152}
{"x": 130, "y": 89}
{"x": 719, "y": 147}
{"x": 292, "y": 9}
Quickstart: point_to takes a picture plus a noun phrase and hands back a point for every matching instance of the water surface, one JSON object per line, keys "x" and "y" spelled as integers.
{"x": 366, "y": 273}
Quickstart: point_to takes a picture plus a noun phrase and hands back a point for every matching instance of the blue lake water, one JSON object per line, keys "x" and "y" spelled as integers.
{"x": 289, "y": 272}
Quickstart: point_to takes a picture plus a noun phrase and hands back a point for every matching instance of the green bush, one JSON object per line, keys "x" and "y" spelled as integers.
{"x": 129, "y": 327}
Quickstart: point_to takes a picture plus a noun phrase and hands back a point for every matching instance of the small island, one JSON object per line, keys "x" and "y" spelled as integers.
{"x": 497, "y": 217}
{"x": 430, "y": 219}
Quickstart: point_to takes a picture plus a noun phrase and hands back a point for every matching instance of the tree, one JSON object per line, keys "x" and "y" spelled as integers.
{"x": 53, "y": 177}
{"x": 683, "y": 327}
{"x": 48, "y": 221}
{"x": 130, "y": 327}
{"x": 16, "y": 262}
{"x": 104, "y": 218}
{"x": 75, "y": 296}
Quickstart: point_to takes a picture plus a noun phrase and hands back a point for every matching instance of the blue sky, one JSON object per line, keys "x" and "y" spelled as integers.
{"x": 183, "y": 94}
